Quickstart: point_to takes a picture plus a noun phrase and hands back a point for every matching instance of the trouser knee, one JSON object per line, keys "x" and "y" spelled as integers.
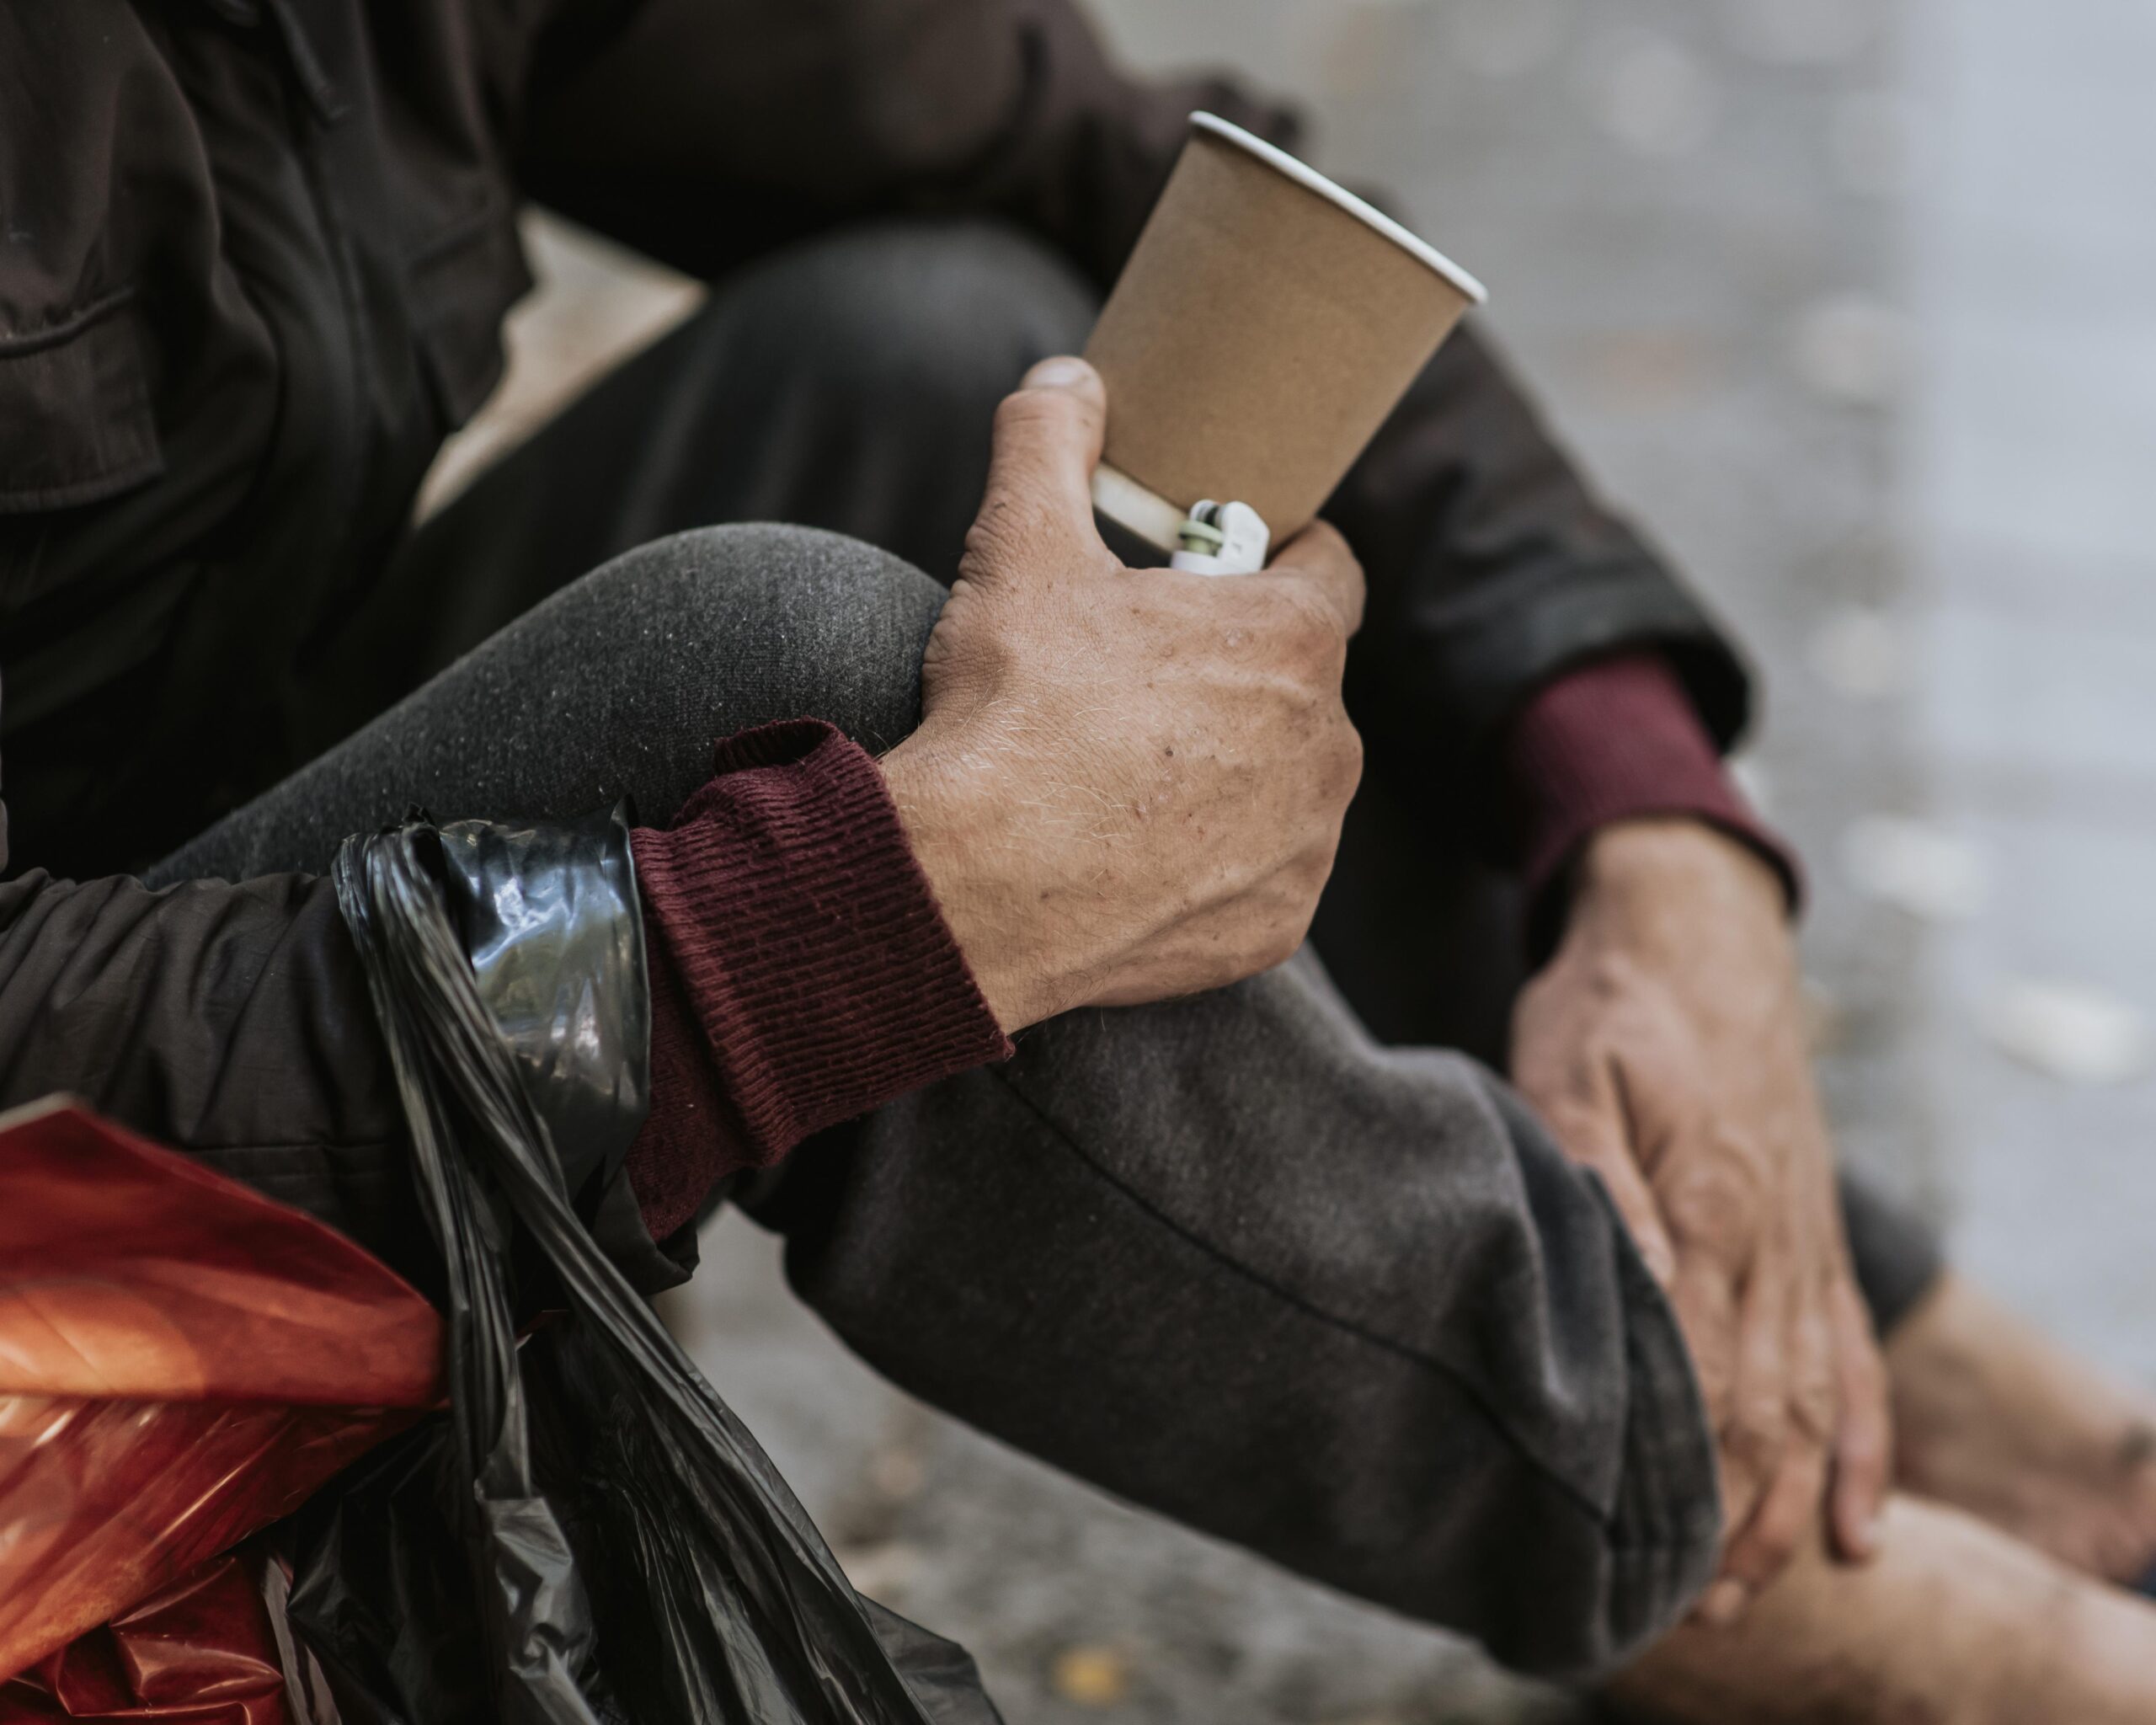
{"x": 869, "y": 364}
{"x": 614, "y": 688}
{"x": 937, "y": 318}
{"x": 721, "y": 628}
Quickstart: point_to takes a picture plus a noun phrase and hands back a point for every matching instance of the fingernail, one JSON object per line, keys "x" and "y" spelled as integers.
{"x": 1057, "y": 373}
{"x": 1724, "y": 1603}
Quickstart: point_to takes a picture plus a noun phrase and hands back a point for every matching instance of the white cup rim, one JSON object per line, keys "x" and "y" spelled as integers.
{"x": 1305, "y": 175}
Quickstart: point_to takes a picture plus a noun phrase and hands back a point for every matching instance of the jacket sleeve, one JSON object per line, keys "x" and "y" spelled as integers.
{"x": 205, "y": 1016}
{"x": 231, "y": 1023}
{"x": 705, "y": 135}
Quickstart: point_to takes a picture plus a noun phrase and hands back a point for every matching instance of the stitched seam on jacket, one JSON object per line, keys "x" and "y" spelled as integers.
{"x": 34, "y": 341}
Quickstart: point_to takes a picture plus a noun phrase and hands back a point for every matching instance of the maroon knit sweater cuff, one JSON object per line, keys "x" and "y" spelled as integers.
{"x": 801, "y": 972}
{"x": 1617, "y": 740}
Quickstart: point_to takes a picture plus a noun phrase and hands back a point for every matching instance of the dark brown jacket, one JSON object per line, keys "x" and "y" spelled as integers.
{"x": 254, "y": 256}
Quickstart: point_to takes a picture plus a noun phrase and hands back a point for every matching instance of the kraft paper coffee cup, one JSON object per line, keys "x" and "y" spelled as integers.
{"x": 1264, "y": 326}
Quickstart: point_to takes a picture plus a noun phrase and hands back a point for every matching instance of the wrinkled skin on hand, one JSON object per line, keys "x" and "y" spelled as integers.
{"x": 1127, "y": 784}
{"x": 1665, "y": 1046}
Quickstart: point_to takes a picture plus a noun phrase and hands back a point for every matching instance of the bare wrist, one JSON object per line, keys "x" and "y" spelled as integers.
{"x": 952, "y": 840}
{"x": 1662, "y": 855}
{"x": 1663, "y": 885}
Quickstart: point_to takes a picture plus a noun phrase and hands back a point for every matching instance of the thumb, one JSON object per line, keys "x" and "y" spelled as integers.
{"x": 1040, "y": 474}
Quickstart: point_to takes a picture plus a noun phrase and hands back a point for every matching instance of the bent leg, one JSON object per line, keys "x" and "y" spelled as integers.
{"x": 848, "y": 384}
{"x": 1226, "y": 1256}
{"x": 1343, "y": 1305}
{"x": 616, "y": 687}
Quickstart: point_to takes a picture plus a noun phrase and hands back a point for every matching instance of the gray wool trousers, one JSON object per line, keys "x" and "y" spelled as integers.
{"x": 1235, "y": 1258}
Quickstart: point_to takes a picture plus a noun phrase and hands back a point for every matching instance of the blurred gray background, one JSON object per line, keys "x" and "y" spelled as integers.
{"x": 1853, "y": 304}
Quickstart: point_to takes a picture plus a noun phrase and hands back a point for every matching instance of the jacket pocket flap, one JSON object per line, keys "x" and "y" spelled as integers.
{"x": 75, "y": 420}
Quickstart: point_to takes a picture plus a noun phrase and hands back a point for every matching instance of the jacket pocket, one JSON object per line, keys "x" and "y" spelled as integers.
{"x": 75, "y": 420}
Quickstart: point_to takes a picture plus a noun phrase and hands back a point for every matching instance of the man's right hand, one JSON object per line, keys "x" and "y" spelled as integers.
{"x": 1128, "y": 784}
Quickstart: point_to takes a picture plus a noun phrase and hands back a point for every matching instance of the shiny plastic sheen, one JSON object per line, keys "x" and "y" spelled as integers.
{"x": 672, "y": 1576}
{"x": 181, "y": 1361}
{"x": 204, "y": 1651}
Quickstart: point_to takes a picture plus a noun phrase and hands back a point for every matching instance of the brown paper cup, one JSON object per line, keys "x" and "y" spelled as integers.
{"x": 1266, "y": 324}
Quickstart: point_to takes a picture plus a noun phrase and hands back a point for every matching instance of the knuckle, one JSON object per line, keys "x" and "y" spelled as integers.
{"x": 1759, "y": 1428}
{"x": 1286, "y": 939}
{"x": 990, "y": 541}
{"x": 1029, "y": 411}
{"x": 965, "y": 647}
{"x": 1814, "y": 1336}
{"x": 1277, "y": 933}
{"x": 1715, "y": 1197}
{"x": 1307, "y": 633}
{"x": 1347, "y": 741}
{"x": 1323, "y": 641}
{"x": 1341, "y": 767}
{"x": 1744, "y": 1461}
{"x": 1774, "y": 1543}
{"x": 1740, "y": 1491}
{"x": 1862, "y": 1447}
{"x": 1613, "y": 975}
{"x": 1774, "y": 1530}
{"x": 1815, "y": 1409}
{"x": 949, "y": 631}
{"x": 1600, "y": 1053}
{"x": 1314, "y": 869}
{"x": 1305, "y": 879}
{"x": 980, "y": 549}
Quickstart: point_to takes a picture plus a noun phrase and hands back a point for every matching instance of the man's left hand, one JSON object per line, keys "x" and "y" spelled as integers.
{"x": 1665, "y": 1046}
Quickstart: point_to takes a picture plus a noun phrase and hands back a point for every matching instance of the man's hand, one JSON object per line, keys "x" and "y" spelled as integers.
{"x": 1127, "y": 784}
{"x": 1664, "y": 1045}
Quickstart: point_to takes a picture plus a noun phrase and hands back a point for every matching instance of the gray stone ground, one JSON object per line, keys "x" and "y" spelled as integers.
{"x": 2029, "y": 456}
{"x": 1847, "y": 300}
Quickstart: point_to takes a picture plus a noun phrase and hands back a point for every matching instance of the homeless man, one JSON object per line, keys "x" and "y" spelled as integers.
{"x": 1268, "y": 1249}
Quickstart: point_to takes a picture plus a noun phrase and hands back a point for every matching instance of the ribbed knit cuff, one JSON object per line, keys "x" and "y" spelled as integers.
{"x": 802, "y": 973}
{"x": 1616, "y": 740}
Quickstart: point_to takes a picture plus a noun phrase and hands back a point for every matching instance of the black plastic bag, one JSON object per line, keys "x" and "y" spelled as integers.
{"x": 597, "y": 1467}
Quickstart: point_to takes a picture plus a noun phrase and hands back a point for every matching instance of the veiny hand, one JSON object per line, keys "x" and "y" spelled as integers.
{"x": 1127, "y": 784}
{"x": 1664, "y": 1045}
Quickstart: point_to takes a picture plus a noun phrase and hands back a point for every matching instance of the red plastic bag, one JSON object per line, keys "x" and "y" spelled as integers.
{"x": 203, "y": 1651}
{"x": 181, "y": 1361}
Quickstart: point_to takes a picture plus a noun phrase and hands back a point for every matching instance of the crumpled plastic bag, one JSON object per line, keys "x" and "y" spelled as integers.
{"x": 628, "y": 1549}
{"x": 182, "y": 1362}
{"x": 208, "y": 1649}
